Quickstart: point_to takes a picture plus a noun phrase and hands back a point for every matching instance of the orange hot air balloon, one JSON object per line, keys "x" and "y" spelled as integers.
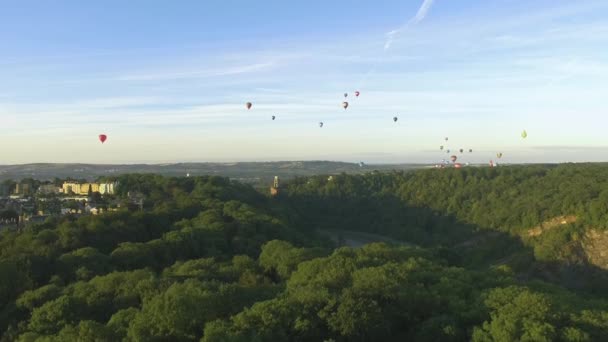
{"x": 457, "y": 165}
{"x": 248, "y": 105}
{"x": 103, "y": 138}
{"x": 357, "y": 93}
{"x": 345, "y": 104}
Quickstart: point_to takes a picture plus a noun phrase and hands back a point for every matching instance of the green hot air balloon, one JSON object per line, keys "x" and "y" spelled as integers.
{"x": 524, "y": 134}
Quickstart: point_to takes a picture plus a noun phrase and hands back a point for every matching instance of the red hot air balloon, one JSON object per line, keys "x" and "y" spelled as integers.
{"x": 357, "y": 93}
{"x": 103, "y": 138}
{"x": 457, "y": 165}
{"x": 345, "y": 105}
{"x": 248, "y": 105}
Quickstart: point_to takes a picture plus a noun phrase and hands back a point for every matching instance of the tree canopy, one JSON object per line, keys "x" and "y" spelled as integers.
{"x": 487, "y": 255}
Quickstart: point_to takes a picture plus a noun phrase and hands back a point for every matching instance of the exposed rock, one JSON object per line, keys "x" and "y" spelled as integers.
{"x": 595, "y": 246}
{"x": 554, "y": 222}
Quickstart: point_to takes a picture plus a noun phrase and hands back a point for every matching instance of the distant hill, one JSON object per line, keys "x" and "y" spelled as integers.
{"x": 243, "y": 171}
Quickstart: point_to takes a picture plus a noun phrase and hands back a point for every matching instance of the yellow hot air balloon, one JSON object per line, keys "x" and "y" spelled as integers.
{"x": 524, "y": 134}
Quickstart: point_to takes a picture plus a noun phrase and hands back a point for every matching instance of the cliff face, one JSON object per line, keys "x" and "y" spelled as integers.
{"x": 595, "y": 247}
{"x": 555, "y": 222}
{"x": 591, "y": 248}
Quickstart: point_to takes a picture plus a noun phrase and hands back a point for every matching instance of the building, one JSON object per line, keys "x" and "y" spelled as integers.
{"x": 107, "y": 188}
{"x": 71, "y": 187}
{"x": 88, "y": 187}
{"x": 48, "y": 189}
{"x": 22, "y": 189}
{"x": 37, "y": 218}
{"x": 85, "y": 188}
{"x": 94, "y": 210}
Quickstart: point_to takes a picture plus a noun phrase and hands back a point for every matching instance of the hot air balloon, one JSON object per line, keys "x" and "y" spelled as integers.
{"x": 321, "y": 124}
{"x": 470, "y": 150}
{"x": 457, "y": 165}
{"x": 491, "y": 163}
{"x": 345, "y": 105}
{"x": 499, "y": 155}
{"x": 273, "y": 117}
{"x": 441, "y": 147}
{"x": 524, "y": 134}
{"x": 357, "y": 93}
{"x": 248, "y": 105}
{"x": 461, "y": 150}
{"x": 345, "y": 95}
{"x": 448, "y": 151}
{"x": 103, "y": 138}
{"x": 446, "y": 138}
{"x": 395, "y": 119}
{"x": 453, "y": 159}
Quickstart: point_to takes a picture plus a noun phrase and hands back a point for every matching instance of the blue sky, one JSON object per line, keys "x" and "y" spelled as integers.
{"x": 167, "y": 81}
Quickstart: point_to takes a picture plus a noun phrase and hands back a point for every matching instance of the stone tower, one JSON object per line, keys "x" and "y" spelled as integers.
{"x": 274, "y": 189}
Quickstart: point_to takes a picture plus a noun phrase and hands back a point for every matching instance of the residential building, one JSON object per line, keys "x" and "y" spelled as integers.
{"x": 107, "y": 188}
{"x": 48, "y": 189}
{"x": 85, "y": 188}
{"x": 22, "y": 189}
{"x": 88, "y": 187}
{"x": 71, "y": 187}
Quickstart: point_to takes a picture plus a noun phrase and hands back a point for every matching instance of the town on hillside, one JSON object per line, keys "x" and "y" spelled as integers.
{"x": 35, "y": 201}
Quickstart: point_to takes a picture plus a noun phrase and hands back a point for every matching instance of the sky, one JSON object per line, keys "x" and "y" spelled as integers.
{"x": 168, "y": 81}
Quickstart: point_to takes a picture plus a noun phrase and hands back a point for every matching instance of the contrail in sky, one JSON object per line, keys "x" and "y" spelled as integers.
{"x": 420, "y": 15}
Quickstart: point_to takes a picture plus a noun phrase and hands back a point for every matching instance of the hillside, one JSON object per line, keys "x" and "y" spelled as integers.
{"x": 209, "y": 259}
{"x": 249, "y": 172}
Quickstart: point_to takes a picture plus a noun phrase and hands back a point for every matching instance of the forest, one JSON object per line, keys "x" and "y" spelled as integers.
{"x": 502, "y": 254}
